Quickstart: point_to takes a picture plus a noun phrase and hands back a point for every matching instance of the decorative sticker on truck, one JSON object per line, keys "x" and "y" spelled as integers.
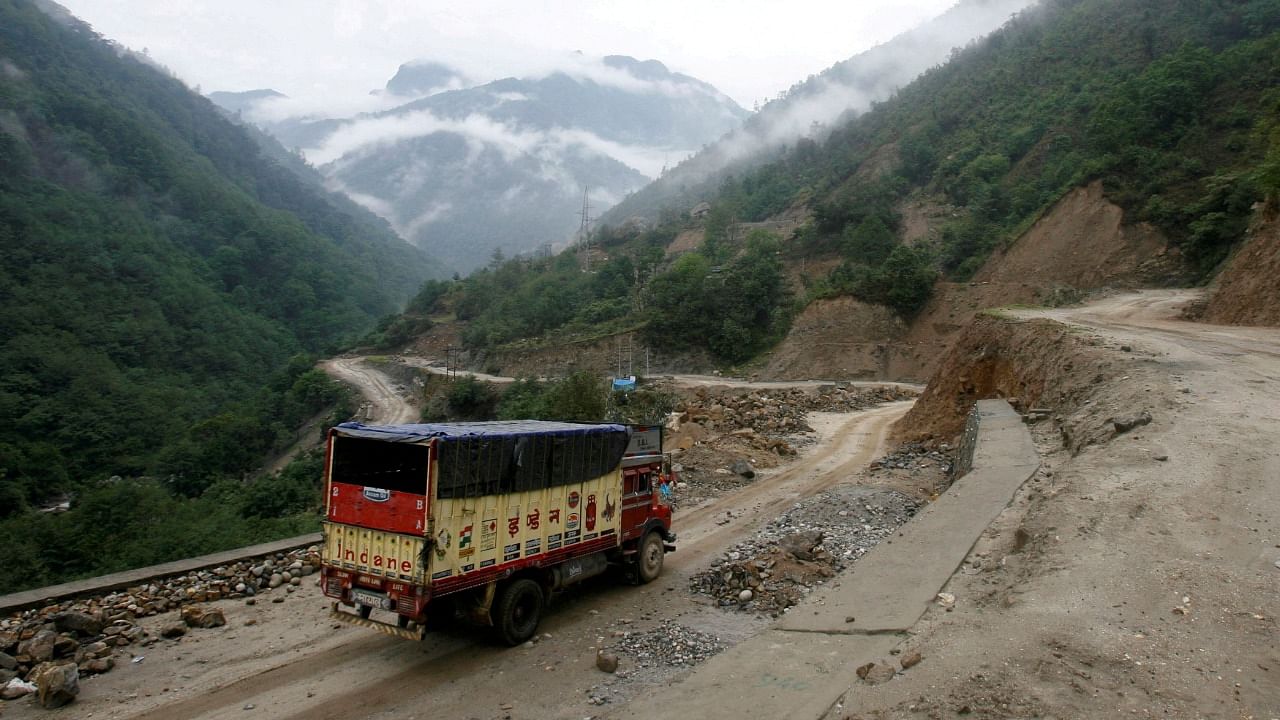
{"x": 489, "y": 534}
{"x": 491, "y": 531}
{"x": 465, "y": 548}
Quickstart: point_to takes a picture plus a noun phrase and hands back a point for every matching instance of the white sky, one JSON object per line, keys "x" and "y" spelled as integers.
{"x": 336, "y": 51}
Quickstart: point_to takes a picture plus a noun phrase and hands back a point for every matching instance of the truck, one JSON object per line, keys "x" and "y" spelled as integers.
{"x": 482, "y": 522}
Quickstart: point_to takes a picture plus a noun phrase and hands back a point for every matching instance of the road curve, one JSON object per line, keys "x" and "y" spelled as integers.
{"x": 384, "y": 404}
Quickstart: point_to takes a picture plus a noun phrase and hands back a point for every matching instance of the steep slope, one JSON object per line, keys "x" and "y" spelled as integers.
{"x": 1248, "y": 291}
{"x": 463, "y": 172}
{"x": 157, "y": 267}
{"x": 1085, "y": 144}
{"x": 809, "y": 109}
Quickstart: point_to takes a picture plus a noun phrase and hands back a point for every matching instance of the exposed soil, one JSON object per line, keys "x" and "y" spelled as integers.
{"x": 1248, "y": 288}
{"x": 923, "y": 218}
{"x": 1132, "y": 577}
{"x": 1083, "y": 243}
{"x": 857, "y": 335}
{"x": 1040, "y": 364}
{"x": 1080, "y": 244}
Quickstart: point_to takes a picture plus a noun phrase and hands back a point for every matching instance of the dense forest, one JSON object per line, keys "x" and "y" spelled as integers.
{"x": 1173, "y": 105}
{"x": 164, "y": 287}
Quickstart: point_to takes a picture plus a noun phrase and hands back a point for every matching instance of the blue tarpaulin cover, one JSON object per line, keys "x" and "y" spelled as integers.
{"x": 488, "y": 429}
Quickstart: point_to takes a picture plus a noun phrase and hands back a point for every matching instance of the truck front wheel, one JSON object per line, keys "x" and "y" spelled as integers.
{"x": 518, "y": 610}
{"x": 649, "y": 558}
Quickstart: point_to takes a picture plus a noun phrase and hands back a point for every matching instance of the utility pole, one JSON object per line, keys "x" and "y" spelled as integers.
{"x": 451, "y": 362}
{"x": 584, "y": 232}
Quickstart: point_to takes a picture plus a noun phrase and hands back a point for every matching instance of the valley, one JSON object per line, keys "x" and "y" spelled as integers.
{"x": 966, "y": 353}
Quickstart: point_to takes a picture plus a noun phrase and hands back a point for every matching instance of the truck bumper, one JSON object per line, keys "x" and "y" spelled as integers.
{"x": 415, "y": 634}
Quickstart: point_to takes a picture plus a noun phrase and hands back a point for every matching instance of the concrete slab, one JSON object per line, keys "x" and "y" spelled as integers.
{"x": 773, "y": 675}
{"x": 117, "y": 581}
{"x": 802, "y": 666}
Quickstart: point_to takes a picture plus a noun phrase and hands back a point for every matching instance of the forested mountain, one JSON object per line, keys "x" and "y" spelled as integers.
{"x": 1174, "y": 106}
{"x": 812, "y": 107}
{"x": 503, "y": 165}
{"x": 158, "y": 273}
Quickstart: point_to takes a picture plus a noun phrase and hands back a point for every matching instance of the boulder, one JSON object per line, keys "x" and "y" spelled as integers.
{"x": 801, "y": 545}
{"x": 57, "y": 685}
{"x": 39, "y": 647}
{"x": 1126, "y": 423}
{"x": 607, "y": 661}
{"x": 79, "y": 622}
{"x": 743, "y": 468}
{"x": 199, "y": 617}
{"x": 8, "y": 662}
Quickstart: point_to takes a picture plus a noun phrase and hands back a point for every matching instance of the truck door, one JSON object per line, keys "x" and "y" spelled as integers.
{"x": 637, "y": 495}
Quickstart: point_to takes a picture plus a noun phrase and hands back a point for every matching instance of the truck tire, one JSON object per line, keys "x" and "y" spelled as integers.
{"x": 649, "y": 558}
{"x": 517, "y": 611}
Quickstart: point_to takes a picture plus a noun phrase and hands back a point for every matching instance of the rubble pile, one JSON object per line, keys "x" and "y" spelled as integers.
{"x": 803, "y": 548}
{"x": 86, "y": 632}
{"x": 914, "y": 456}
{"x": 668, "y": 644}
{"x": 778, "y": 412}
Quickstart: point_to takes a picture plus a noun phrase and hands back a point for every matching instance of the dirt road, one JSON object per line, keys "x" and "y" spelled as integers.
{"x": 1138, "y": 578}
{"x": 286, "y": 660}
{"x": 680, "y": 380}
{"x": 385, "y": 405}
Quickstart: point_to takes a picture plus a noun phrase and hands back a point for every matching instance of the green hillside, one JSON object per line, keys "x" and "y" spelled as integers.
{"x": 1173, "y": 105}
{"x": 158, "y": 274}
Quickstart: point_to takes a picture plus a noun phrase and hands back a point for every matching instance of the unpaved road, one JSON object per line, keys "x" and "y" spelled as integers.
{"x": 680, "y": 380}
{"x": 1138, "y": 578}
{"x": 291, "y": 662}
{"x": 387, "y": 406}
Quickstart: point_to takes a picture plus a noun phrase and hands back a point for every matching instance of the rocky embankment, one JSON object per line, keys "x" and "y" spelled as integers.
{"x": 47, "y": 651}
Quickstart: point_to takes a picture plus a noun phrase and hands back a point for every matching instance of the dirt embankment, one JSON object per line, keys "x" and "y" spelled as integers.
{"x": 1249, "y": 287}
{"x": 859, "y": 336}
{"x": 1083, "y": 243}
{"x": 1080, "y": 244}
{"x": 1035, "y": 364}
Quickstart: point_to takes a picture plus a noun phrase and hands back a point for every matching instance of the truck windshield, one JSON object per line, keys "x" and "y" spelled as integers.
{"x": 398, "y": 467}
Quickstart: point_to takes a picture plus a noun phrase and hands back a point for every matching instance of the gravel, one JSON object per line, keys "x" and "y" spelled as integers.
{"x": 803, "y": 548}
{"x": 668, "y": 644}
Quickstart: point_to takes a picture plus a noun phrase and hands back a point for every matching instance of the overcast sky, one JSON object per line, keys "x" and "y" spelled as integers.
{"x": 339, "y": 50}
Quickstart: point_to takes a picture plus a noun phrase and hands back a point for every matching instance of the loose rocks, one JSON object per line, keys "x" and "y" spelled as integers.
{"x": 90, "y": 629}
{"x": 802, "y": 548}
{"x": 199, "y": 617}
{"x": 669, "y": 644}
{"x": 57, "y": 685}
{"x": 607, "y": 661}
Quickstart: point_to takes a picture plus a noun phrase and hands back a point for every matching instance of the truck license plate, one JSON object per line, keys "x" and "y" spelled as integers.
{"x": 372, "y": 599}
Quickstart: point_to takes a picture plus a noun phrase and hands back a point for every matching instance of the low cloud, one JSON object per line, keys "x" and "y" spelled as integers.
{"x": 481, "y": 131}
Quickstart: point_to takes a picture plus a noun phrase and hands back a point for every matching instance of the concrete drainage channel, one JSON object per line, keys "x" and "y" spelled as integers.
{"x": 806, "y": 662}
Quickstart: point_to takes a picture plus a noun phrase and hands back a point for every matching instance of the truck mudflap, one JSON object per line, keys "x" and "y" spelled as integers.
{"x": 395, "y": 630}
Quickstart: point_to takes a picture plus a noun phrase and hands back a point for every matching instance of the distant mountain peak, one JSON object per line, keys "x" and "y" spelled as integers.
{"x": 425, "y": 77}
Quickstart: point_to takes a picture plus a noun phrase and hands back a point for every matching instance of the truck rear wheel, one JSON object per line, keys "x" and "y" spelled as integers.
{"x": 518, "y": 611}
{"x": 649, "y": 558}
